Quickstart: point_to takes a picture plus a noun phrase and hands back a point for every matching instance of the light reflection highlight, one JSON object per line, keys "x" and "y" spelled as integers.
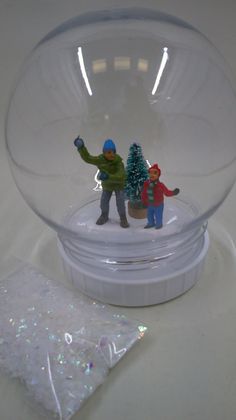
{"x": 98, "y": 182}
{"x": 83, "y": 71}
{"x": 99, "y": 66}
{"x": 164, "y": 60}
{"x": 68, "y": 338}
{"x": 122, "y": 63}
{"x": 142, "y": 65}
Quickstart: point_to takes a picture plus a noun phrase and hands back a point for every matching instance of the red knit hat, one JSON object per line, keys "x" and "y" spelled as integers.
{"x": 155, "y": 166}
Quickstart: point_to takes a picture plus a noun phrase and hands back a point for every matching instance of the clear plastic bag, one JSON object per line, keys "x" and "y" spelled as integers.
{"x": 60, "y": 343}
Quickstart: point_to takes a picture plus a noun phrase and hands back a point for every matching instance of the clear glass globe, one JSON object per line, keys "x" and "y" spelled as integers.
{"x": 131, "y": 76}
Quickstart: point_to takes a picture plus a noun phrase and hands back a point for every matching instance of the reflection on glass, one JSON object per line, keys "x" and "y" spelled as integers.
{"x": 98, "y": 182}
{"x": 122, "y": 63}
{"x": 68, "y": 338}
{"x": 99, "y": 66}
{"x": 164, "y": 60}
{"x": 83, "y": 71}
{"x": 142, "y": 65}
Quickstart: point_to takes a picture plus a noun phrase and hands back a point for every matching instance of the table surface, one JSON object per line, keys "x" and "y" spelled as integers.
{"x": 185, "y": 367}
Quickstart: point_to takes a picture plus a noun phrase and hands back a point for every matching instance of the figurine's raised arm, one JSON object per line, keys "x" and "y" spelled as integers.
{"x": 79, "y": 143}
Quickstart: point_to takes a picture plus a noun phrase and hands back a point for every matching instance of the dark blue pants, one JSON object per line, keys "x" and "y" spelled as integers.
{"x": 120, "y": 201}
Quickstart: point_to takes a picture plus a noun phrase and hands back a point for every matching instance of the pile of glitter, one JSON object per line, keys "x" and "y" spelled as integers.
{"x": 59, "y": 343}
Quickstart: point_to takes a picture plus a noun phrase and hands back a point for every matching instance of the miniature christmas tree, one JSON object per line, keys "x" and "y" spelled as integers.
{"x": 137, "y": 174}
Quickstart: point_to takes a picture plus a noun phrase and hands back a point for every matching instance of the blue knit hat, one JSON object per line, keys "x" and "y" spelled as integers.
{"x": 109, "y": 145}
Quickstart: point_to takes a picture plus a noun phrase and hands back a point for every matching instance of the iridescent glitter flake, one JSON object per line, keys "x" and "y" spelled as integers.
{"x": 142, "y": 329}
{"x": 61, "y": 345}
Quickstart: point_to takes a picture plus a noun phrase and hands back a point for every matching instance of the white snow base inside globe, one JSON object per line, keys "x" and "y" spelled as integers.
{"x": 132, "y": 266}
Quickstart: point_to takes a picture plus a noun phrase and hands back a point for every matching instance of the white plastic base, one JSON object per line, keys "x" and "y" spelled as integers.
{"x": 133, "y": 266}
{"x": 125, "y": 290}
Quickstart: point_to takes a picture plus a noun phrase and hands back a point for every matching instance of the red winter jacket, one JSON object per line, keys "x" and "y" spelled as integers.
{"x": 159, "y": 191}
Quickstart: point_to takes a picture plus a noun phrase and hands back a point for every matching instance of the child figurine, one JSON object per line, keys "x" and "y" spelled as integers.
{"x": 153, "y": 197}
{"x": 112, "y": 174}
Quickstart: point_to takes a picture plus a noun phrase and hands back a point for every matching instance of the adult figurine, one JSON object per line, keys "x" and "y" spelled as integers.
{"x": 113, "y": 176}
{"x": 153, "y": 197}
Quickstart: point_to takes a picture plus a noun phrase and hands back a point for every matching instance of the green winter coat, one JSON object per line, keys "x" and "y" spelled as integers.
{"x": 114, "y": 168}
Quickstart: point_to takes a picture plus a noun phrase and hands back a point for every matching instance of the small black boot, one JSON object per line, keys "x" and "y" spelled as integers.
{"x": 102, "y": 219}
{"x": 124, "y": 222}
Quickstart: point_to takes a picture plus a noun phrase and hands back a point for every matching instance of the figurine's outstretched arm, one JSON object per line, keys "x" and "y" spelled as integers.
{"x": 85, "y": 155}
{"x": 167, "y": 192}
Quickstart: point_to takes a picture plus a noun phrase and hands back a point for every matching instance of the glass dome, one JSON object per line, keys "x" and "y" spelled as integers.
{"x": 132, "y": 76}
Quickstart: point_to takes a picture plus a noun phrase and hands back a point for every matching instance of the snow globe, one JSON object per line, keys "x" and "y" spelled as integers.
{"x": 102, "y": 83}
